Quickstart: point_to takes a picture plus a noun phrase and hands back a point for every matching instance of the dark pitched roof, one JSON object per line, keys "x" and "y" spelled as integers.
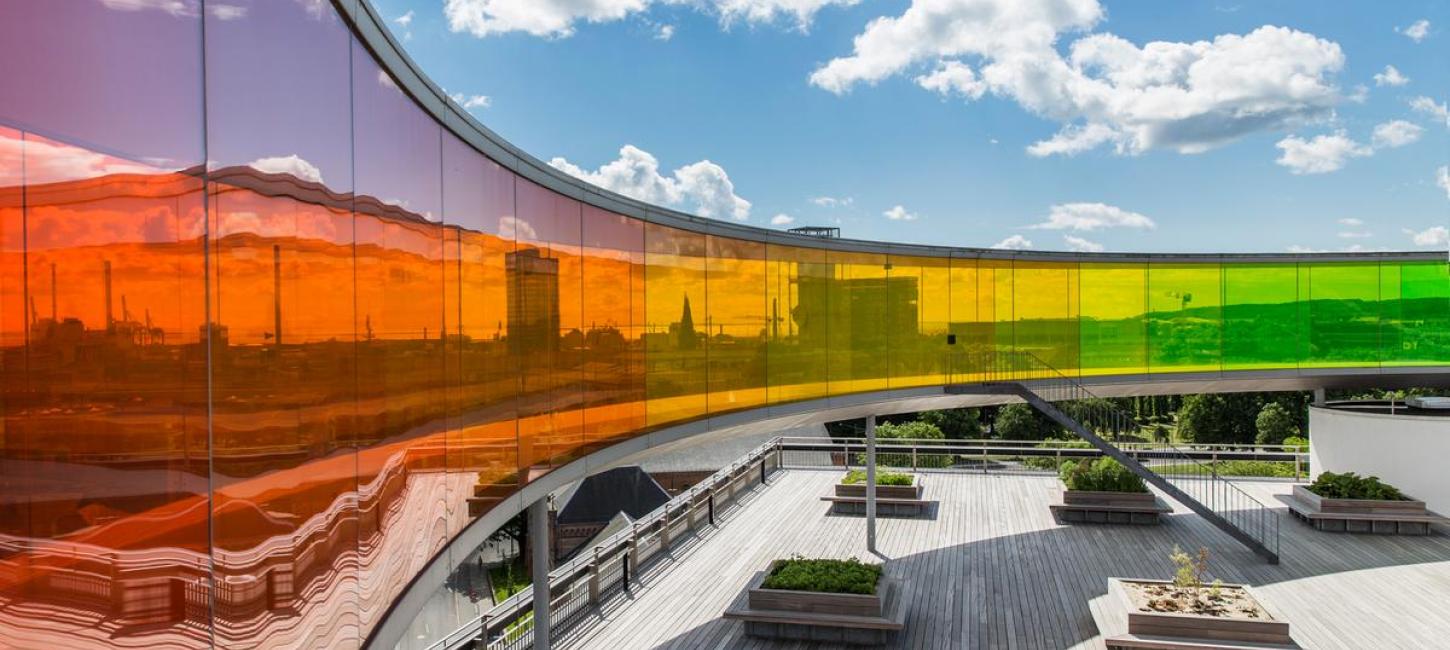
{"x": 601, "y": 496}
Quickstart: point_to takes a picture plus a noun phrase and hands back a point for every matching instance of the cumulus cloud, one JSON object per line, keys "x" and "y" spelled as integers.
{"x": 1013, "y": 243}
{"x": 1080, "y": 245}
{"x": 782, "y": 219}
{"x": 559, "y": 18}
{"x": 703, "y": 186}
{"x": 293, "y": 165}
{"x": 470, "y": 102}
{"x": 1426, "y": 105}
{"x": 1092, "y": 216}
{"x": 1320, "y": 155}
{"x": 1417, "y": 31}
{"x": 1442, "y": 179}
{"x": 1390, "y": 77}
{"x": 899, "y": 213}
{"x": 1186, "y": 97}
{"x": 511, "y": 227}
{"x": 405, "y": 19}
{"x": 1351, "y": 222}
{"x": 664, "y": 32}
{"x": 1355, "y": 234}
{"x": 1432, "y": 236}
{"x": 953, "y": 78}
{"x": 1396, "y": 133}
{"x": 833, "y": 202}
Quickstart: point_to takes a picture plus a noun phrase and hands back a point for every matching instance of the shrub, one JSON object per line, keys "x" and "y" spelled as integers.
{"x": 1022, "y": 422}
{"x": 1101, "y": 475}
{"x": 1353, "y": 486}
{"x": 956, "y": 424}
{"x": 1299, "y": 444}
{"x": 826, "y": 576}
{"x": 1275, "y": 424}
{"x": 915, "y": 430}
{"x": 1050, "y": 463}
{"x": 856, "y": 476}
{"x": 1243, "y": 468}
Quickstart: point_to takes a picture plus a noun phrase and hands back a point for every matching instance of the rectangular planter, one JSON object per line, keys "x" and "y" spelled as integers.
{"x": 858, "y": 490}
{"x": 1197, "y": 628}
{"x": 812, "y": 602}
{"x": 1359, "y": 506}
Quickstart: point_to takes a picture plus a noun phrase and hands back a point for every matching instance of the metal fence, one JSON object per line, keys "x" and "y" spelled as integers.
{"x": 606, "y": 569}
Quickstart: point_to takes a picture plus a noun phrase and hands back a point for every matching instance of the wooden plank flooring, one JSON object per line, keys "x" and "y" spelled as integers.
{"x": 989, "y": 568}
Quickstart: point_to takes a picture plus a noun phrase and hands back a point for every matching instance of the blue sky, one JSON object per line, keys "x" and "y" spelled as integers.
{"x": 1248, "y": 127}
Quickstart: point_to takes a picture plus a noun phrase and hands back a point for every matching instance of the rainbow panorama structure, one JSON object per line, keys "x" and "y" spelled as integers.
{"x": 286, "y": 332}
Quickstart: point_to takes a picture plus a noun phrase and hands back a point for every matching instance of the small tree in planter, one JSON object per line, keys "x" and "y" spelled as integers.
{"x": 1186, "y": 610}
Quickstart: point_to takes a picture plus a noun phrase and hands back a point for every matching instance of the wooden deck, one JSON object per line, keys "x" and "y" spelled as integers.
{"x": 991, "y": 569}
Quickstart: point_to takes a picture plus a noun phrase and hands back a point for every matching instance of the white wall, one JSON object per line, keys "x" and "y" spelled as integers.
{"x": 1407, "y": 451}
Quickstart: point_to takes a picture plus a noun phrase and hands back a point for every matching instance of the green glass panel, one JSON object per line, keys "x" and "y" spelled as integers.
{"x": 1185, "y": 318}
{"x": 1415, "y": 313}
{"x": 1114, "y": 327}
{"x": 1343, "y": 318}
{"x": 1261, "y": 325}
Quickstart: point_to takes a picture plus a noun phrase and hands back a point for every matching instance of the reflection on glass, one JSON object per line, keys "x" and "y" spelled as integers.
{"x": 246, "y": 399}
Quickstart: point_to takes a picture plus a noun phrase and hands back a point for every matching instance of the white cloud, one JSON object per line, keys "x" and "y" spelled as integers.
{"x": 510, "y": 227}
{"x": 703, "y": 185}
{"x": 801, "y": 12}
{"x": 1423, "y": 104}
{"x": 293, "y": 165}
{"x": 1356, "y": 234}
{"x": 1092, "y": 216}
{"x": 173, "y": 7}
{"x": 404, "y": 20}
{"x": 559, "y": 18}
{"x": 1014, "y": 243}
{"x": 470, "y": 102}
{"x": 1442, "y": 179}
{"x": 899, "y": 213}
{"x": 782, "y": 219}
{"x": 1390, "y": 77}
{"x": 833, "y": 202}
{"x": 1186, "y": 97}
{"x": 1080, "y": 245}
{"x": 953, "y": 78}
{"x": 664, "y": 32}
{"x": 1396, "y": 133}
{"x": 1351, "y": 222}
{"x": 1433, "y": 236}
{"x": 1417, "y": 31}
{"x": 1321, "y": 155}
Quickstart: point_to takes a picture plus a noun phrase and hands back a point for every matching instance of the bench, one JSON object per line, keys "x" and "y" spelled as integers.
{"x": 884, "y": 507}
{"x": 1355, "y": 522}
{"x": 1080, "y": 507}
{"x": 827, "y": 627}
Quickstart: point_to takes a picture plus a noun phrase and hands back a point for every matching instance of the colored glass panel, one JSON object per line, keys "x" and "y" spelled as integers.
{"x": 735, "y": 323}
{"x": 675, "y": 346}
{"x": 863, "y": 306}
{"x": 1261, "y": 316}
{"x": 1343, "y": 315}
{"x": 1185, "y": 318}
{"x": 919, "y": 327}
{"x": 798, "y": 318}
{"x": 1415, "y": 313}
{"x": 1113, "y": 325}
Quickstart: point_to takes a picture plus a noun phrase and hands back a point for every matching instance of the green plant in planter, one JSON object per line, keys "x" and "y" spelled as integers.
{"x": 1353, "y": 486}
{"x": 1101, "y": 475}
{"x": 826, "y": 576}
{"x": 857, "y": 476}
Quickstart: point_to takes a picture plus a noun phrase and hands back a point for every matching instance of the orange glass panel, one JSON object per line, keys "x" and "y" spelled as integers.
{"x": 675, "y": 346}
{"x": 613, "y": 370}
{"x": 735, "y": 323}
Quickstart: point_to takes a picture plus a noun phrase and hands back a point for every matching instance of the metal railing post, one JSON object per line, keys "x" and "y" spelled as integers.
{"x": 594, "y": 578}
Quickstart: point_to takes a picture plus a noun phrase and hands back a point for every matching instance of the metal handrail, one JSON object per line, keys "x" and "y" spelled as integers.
{"x": 1217, "y": 500}
{"x": 507, "y": 624}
